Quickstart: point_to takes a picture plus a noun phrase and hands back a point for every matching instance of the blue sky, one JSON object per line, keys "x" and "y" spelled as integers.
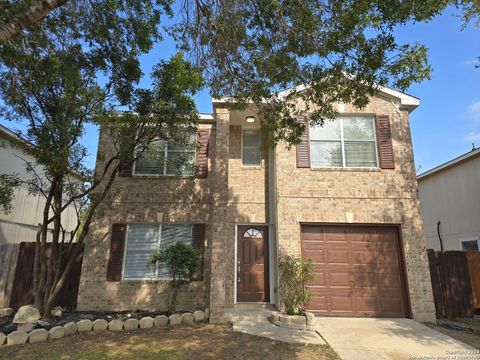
{"x": 448, "y": 119}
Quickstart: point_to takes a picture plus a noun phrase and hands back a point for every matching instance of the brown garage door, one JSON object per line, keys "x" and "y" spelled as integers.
{"x": 358, "y": 270}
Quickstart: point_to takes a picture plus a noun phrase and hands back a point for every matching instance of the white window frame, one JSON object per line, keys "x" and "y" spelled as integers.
{"x": 259, "y": 147}
{"x": 159, "y": 242}
{"x": 165, "y": 163}
{"x": 477, "y": 239}
{"x": 342, "y": 142}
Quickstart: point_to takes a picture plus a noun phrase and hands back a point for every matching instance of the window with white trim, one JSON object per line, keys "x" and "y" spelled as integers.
{"x": 143, "y": 240}
{"x": 348, "y": 141}
{"x": 167, "y": 158}
{"x": 470, "y": 245}
{"x": 251, "y": 154}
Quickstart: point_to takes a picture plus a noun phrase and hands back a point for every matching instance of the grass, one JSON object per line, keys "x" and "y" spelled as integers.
{"x": 470, "y": 337}
{"x": 196, "y": 342}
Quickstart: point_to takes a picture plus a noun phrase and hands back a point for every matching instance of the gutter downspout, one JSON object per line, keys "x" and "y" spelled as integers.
{"x": 439, "y": 236}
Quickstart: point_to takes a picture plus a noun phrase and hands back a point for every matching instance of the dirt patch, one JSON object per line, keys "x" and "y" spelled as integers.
{"x": 464, "y": 330}
{"x": 195, "y": 342}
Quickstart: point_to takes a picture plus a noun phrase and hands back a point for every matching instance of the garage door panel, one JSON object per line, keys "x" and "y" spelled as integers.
{"x": 337, "y": 256}
{"x": 339, "y": 279}
{"x": 357, "y": 270}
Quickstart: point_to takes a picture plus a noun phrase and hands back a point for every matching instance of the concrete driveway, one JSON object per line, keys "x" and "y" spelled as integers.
{"x": 372, "y": 339}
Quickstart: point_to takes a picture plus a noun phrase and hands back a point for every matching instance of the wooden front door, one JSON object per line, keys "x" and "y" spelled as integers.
{"x": 252, "y": 264}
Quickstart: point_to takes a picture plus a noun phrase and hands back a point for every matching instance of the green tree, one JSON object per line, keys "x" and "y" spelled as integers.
{"x": 68, "y": 73}
{"x": 183, "y": 260}
{"x": 295, "y": 274}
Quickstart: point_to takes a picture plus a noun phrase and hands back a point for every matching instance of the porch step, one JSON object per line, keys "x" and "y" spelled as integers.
{"x": 251, "y": 315}
{"x": 252, "y": 306}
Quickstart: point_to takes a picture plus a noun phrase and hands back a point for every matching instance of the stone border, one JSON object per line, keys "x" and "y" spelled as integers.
{"x": 298, "y": 322}
{"x": 58, "y": 332}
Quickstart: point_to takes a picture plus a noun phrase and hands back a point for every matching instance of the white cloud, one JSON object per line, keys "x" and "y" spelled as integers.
{"x": 473, "y": 136}
{"x": 471, "y": 62}
{"x": 474, "y": 110}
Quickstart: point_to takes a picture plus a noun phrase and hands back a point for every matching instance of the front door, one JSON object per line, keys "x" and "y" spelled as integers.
{"x": 252, "y": 264}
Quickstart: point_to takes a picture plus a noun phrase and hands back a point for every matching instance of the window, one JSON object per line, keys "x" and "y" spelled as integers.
{"x": 251, "y": 148}
{"x": 470, "y": 245}
{"x": 344, "y": 142}
{"x": 143, "y": 240}
{"x": 167, "y": 158}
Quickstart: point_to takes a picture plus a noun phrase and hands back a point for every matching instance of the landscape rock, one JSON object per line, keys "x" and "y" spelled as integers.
{"x": 198, "y": 316}
{"x": 57, "y": 311}
{"x": 207, "y": 313}
{"x": 100, "y": 325}
{"x": 115, "y": 325}
{"x": 8, "y": 312}
{"x": 38, "y": 335}
{"x": 187, "y": 319}
{"x": 175, "y": 319}
{"x": 26, "y": 314}
{"x": 130, "y": 324}
{"x": 17, "y": 338}
{"x": 146, "y": 322}
{"x": 25, "y": 327}
{"x": 57, "y": 332}
{"x": 160, "y": 320}
{"x": 70, "y": 328}
{"x": 84, "y": 325}
{"x": 3, "y": 338}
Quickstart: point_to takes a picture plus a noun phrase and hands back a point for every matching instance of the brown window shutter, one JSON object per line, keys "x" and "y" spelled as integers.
{"x": 198, "y": 242}
{"x": 303, "y": 148}
{"x": 201, "y": 158}
{"x": 125, "y": 168}
{"x": 117, "y": 247}
{"x": 385, "y": 147}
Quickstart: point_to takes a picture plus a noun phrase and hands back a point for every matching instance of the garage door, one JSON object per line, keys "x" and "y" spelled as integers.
{"x": 358, "y": 270}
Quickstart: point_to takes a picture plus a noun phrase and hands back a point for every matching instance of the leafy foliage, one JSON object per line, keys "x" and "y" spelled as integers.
{"x": 69, "y": 72}
{"x": 295, "y": 274}
{"x": 8, "y": 183}
{"x": 183, "y": 260}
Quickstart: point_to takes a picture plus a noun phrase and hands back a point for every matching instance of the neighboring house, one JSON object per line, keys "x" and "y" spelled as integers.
{"x": 345, "y": 197}
{"x": 27, "y": 209}
{"x": 450, "y": 203}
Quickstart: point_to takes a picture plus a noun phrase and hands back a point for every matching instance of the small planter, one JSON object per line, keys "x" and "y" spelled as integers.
{"x": 298, "y": 322}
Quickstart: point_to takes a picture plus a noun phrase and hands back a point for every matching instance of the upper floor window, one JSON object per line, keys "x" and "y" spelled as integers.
{"x": 143, "y": 240}
{"x": 344, "y": 142}
{"x": 167, "y": 158}
{"x": 251, "y": 154}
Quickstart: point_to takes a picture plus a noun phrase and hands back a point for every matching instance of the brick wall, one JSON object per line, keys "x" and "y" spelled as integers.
{"x": 140, "y": 199}
{"x": 360, "y": 196}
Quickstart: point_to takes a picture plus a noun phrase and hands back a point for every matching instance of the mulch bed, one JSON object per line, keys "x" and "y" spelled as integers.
{"x": 6, "y": 325}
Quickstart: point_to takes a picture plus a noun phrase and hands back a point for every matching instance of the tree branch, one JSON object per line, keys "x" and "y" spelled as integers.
{"x": 31, "y": 15}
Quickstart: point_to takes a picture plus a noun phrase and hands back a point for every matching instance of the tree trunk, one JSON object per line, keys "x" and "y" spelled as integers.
{"x": 32, "y": 14}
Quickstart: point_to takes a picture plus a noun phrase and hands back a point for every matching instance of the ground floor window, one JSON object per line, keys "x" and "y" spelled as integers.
{"x": 143, "y": 240}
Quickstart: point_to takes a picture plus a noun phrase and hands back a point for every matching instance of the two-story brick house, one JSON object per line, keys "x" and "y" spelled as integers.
{"x": 345, "y": 197}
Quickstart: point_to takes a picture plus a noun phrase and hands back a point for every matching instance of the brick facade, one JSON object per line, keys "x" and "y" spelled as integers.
{"x": 277, "y": 194}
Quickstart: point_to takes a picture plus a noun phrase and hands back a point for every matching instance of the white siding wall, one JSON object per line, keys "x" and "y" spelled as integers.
{"x": 20, "y": 224}
{"x": 451, "y": 196}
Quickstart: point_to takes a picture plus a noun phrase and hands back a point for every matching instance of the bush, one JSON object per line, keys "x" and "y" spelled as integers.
{"x": 295, "y": 274}
{"x": 183, "y": 260}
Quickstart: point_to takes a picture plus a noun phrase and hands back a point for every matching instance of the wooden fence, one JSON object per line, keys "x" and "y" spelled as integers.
{"x": 22, "y": 291}
{"x": 455, "y": 282}
{"x": 8, "y": 263}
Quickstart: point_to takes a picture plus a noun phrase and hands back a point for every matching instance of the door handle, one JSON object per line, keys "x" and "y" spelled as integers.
{"x": 238, "y": 274}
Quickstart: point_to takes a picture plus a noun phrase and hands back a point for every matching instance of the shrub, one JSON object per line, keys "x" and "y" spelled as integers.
{"x": 295, "y": 274}
{"x": 183, "y": 260}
